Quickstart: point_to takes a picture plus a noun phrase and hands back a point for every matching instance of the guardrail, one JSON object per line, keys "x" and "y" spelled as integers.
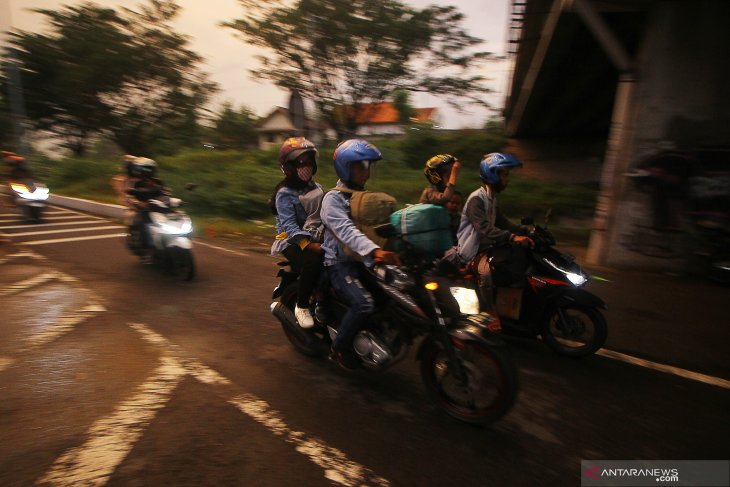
{"x": 88, "y": 206}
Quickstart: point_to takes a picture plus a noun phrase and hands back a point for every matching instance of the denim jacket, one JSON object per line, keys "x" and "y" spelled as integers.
{"x": 340, "y": 229}
{"x": 292, "y": 217}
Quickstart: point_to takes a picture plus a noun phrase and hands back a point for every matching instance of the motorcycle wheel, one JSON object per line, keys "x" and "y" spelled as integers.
{"x": 183, "y": 264}
{"x": 35, "y": 214}
{"x": 316, "y": 346}
{"x": 574, "y": 330}
{"x": 487, "y": 393}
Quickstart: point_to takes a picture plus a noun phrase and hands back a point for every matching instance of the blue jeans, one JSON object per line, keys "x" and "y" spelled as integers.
{"x": 345, "y": 278}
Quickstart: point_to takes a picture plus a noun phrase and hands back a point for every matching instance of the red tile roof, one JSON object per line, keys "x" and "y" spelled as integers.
{"x": 373, "y": 113}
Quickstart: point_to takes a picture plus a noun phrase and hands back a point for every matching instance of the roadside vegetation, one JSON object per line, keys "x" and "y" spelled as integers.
{"x": 233, "y": 187}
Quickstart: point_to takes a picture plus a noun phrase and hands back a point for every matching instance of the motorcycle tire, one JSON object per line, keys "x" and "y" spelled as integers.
{"x": 491, "y": 376}
{"x": 316, "y": 345}
{"x": 183, "y": 264}
{"x": 564, "y": 327}
{"x": 35, "y": 214}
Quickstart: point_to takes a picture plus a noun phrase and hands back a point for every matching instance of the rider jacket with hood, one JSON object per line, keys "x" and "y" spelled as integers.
{"x": 341, "y": 230}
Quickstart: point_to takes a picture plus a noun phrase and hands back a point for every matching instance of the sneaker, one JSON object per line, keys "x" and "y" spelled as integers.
{"x": 304, "y": 317}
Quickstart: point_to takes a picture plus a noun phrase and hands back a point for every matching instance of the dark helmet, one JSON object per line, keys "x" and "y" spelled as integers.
{"x": 143, "y": 167}
{"x": 353, "y": 150}
{"x": 436, "y": 165}
{"x": 492, "y": 163}
{"x": 291, "y": 149}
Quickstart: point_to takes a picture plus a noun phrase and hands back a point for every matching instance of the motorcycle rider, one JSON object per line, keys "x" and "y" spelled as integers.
{"x": 16, "y": 167}
{"x": 493, "y": 230}
{"x": 296, "y": 202}
{"x": 353, "y": 161}
{"x": 125, "y": 180}
{"x": 441, "y": 171}
{"x": 146, "y": 187}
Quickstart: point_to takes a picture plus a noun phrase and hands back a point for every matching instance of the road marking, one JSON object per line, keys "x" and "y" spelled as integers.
{"x": 5, "y": 362}
{"x": 72, "y": 239}
{"x": 64, "y": 230}
{"x": 75, "y": 215}
{"x": 44, "y": 225}
{"x": 242, "y": 254}
{"x": 337, "y": 467}
{"x": 668, "y": 369}
{"x": 112, "y": 438}
{"x": 29, "y": 283}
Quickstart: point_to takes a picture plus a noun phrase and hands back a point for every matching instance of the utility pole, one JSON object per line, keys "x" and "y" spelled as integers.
{"x": 12, "y": 75}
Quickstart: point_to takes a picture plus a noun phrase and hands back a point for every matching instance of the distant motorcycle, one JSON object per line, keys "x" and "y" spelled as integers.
{"x": 464, "y": 368}
{"x": 30, "y": 198}
{"x": 549, "y": 300}
{"x": 169, "y": 232}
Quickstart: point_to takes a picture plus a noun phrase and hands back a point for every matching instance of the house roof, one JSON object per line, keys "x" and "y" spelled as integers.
{"x": 386, "y": 112}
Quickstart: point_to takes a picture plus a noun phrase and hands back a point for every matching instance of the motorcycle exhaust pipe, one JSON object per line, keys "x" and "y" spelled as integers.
{"x": 285, "y": 315}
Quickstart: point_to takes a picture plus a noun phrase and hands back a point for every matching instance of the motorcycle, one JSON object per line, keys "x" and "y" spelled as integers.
{"x": 30, "y": 198}
{"x": 169, "y": 230}
{"x": 463, "y": 367}
{"x": 548, "y": 299}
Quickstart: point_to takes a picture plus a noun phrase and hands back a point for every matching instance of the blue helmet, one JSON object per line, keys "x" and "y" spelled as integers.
{"x": 353, "y": 150}
{"x": 492, "y": 163}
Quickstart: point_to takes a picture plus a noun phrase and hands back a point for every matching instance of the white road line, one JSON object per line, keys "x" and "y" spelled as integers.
{"x": 76, "y": 215}
{"x": 5, "y": 362}
{"x": 112, "y": 438}
{"x": 242, "y": 254}
{"x": 72, "y": 239}
{"x": 337, "y": 467}
{"x": 29, "y": 283}
{"x": 44, "y": 225}
{"x": 668, "y": 369}
{"x": 65, "y": 230}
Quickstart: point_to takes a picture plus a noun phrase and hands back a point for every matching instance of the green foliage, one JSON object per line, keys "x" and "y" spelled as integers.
{"x": 402, "y": 103}
{"x": 423, "y": 143}
{"x": 236, "y": 185}
{"x": 341, "y": 53}
{"x": 98, "y": 70}
{"x": 234, "y": 129}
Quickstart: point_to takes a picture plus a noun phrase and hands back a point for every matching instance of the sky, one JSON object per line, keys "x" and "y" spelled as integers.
{"x": 228, "y": 59}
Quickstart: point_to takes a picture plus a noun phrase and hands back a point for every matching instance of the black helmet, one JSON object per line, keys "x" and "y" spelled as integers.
{"x": 143, "y": 167}
{"x": 436, "y": 165}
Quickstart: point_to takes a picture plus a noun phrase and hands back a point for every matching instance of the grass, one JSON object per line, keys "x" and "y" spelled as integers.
{"x": 234, "y": 187}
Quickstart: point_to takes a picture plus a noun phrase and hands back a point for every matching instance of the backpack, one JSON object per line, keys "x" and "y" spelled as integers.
{"x": 368, "y": 209}
{"x": 426, "y": 227}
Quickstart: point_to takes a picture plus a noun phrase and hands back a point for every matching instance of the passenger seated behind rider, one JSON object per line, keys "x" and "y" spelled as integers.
{"x": 353, "y": 160}
{"x": 494, "y": 231}
{"x": 296, "y": 202}
{"x": 441, "y": 171}
{"x": 125, "y": 180}
{"x": 147, "y": 187}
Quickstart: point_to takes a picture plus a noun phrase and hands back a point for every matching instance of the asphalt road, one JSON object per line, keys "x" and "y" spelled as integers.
{"x": 113, "y": 373}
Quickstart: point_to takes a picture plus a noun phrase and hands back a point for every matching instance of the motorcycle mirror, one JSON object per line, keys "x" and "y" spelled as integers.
{"x": 191, "y": 186}
{"x": 547, "y": 216}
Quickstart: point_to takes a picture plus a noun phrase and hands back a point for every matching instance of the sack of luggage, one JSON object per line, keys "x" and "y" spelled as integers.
{"x": 425, "y": 228}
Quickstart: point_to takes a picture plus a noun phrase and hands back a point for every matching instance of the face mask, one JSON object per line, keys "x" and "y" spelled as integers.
{"x": 305, "y": 173}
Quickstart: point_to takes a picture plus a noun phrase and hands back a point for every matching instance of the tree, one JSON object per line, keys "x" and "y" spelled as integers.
{"x": 234, "y": 128}
{"x": 127, "y": 74}
{"x": 402, "y": 103}
{"x": 342, "y": 54}
{"x": 158, "y": 108}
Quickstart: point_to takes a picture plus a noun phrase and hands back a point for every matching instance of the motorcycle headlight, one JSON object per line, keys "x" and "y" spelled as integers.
{"x": 577, "y": 279}
{"x": 467, "y": 299}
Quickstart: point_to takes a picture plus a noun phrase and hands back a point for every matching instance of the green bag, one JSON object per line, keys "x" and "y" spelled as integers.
{"x": 426, "y": 227}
